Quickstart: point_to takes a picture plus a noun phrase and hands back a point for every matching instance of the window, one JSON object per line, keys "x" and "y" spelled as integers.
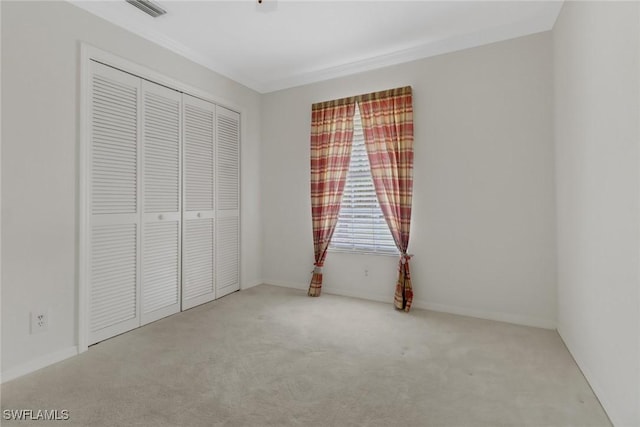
{"x": 361, "y": 225}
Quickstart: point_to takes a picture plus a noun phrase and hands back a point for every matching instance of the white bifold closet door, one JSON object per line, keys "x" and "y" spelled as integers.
{"x": 227, "y": 201}
{"x": 134, "y": 202}
{"x": 161, "y": 225}
{"x": 114, "y": 203}
{"x": 198, "y": 240}
{"x": 162, "y": 200}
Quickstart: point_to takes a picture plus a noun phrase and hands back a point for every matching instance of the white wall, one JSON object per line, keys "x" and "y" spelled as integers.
{"x": 596, "y": 54}
{"x": 0, "y": 195}
{"x": 483, "y": 229}
{"x": 40, "y": 59}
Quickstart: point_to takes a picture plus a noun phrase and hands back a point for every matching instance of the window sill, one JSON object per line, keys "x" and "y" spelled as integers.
{"x": 363, "y": 252}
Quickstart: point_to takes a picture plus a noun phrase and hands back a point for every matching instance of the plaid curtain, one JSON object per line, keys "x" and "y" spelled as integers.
{"x": 387, "y": 121}
{"x": 331, "y": 138}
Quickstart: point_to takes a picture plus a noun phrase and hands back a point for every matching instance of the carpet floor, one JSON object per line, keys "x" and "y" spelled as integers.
{"x": 271, "y": 356}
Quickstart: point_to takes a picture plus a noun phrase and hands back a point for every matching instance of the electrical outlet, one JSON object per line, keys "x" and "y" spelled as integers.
{"x": 366, "y": 272}
{"x": 39, "y": 321}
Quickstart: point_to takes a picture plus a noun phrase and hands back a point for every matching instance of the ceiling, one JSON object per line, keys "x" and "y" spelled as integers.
{"x": 287, "y": 43}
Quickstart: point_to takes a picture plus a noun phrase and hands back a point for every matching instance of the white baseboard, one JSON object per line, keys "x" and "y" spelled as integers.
{"x": 462, "y": 311}
{"x": 332, "y": 290}
{"x": 38, "y": 363}
{"x": 299, "y": 286}
{"x": 250, "y": 284}
{"x": 344, "y": 292}
{"x": 517, "y": 319}
{"x": 593, "y": 383}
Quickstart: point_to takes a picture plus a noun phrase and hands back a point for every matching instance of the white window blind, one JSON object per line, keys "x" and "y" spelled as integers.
{"x": 361, "y": 225}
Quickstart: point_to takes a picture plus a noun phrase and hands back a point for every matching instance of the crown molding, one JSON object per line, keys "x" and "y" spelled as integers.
{"x": 414, "y": 53}
{"x": 410, "y": 53}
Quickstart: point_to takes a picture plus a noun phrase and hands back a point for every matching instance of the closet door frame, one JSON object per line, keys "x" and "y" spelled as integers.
{"x": 90, "y": 53}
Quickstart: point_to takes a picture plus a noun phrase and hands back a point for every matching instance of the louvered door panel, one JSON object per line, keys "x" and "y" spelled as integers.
{"x": 197, "y": 258}
{"x": 114, "y": 202}
{"x": 161, "y": 149}
{"x": 113, "y": 278}
{"x": 227, "y": 255}
{"x": 160, "y": 269}
{"x": 228, "y": 201}
{"x": 114, "y": 141}
{"x": 198, "y": 278}
{"x": 199, "y": 153}
{"x": 227, "y": 158}
{"x": 161, "y": 134}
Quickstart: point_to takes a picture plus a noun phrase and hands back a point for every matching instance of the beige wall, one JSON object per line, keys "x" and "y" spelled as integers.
{"x": 597, "y": 73}
{"x": 40, "y": 58}
{"x": 483, "y": 229}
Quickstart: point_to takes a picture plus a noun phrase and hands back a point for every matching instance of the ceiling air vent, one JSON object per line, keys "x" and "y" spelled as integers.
{"x": 148, "y": 7}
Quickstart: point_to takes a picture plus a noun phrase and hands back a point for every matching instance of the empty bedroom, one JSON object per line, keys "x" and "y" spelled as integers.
{"x": 320, "y": 213}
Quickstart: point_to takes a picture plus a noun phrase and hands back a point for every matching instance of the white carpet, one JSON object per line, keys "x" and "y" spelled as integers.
{"x": 273, "y": 356}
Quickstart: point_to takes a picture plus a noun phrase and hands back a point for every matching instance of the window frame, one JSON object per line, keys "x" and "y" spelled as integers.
{"x": 358, "y": 143}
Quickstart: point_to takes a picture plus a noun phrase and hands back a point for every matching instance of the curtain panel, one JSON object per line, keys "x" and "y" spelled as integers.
{"x": 387, "y": 121}
{"x": 331, "y": 139}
